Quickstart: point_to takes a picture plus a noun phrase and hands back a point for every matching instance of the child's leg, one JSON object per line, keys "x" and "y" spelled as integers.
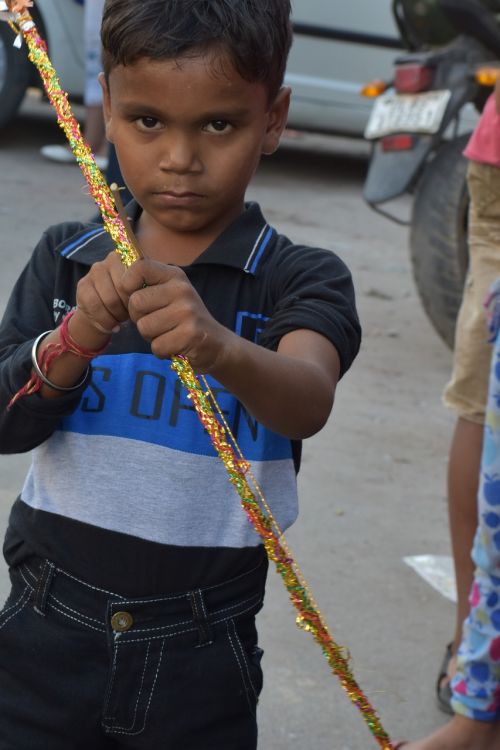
{"x": 463, "y": 481}
{"x": 94, "y": 120}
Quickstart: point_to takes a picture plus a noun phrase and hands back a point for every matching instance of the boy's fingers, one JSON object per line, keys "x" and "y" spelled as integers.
{"x": 97, "y": 313}
{"x": 98, "y": 297}
{"x": 110, "y": 296}
{"x": 175, "y": 294}
{"x": 148, "y": 273}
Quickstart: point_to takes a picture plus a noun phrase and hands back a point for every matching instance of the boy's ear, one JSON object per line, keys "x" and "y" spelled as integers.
{"x": 277, "y": 118}
{"x": 106, "y": 105}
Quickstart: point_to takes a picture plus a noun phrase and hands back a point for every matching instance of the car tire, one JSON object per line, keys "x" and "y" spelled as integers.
{"x": 15, "y": 72}
{"x": 438, "y": 236}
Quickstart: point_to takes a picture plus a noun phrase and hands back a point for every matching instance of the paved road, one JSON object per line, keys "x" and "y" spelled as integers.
{"x": 372, "y": 483}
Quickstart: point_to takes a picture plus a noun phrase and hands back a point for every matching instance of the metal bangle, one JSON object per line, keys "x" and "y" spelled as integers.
{"x": 43, "y": 377}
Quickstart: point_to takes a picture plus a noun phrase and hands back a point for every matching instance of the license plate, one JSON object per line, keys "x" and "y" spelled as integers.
{"x": 407, "y": 113}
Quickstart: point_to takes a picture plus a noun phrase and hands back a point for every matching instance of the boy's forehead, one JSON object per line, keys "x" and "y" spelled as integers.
{"x": 215, "y": 64}
{"x": 211, "y": 74}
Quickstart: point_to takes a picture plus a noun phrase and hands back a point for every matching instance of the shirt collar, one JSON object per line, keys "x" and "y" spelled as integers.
{"x": 241, "y": 245}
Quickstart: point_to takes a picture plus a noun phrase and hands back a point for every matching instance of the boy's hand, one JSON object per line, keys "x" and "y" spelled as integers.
{"x": 171, "y": 316}
{"x": 100, "y": 299}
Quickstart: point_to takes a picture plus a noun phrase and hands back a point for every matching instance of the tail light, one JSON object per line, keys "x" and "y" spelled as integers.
{"x": 402, "y": 142}
{"x": 412, "y": 78}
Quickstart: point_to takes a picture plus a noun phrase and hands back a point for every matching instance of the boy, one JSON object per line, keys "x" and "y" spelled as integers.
{"x": 132, "y": 563}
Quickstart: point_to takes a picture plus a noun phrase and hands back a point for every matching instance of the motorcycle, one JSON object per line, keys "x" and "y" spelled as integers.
{"x": 416, "y": 127}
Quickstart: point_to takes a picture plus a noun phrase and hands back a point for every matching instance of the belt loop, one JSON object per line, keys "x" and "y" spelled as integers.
{"x": 200, "y": 618}
{"x": 47, "y": 571}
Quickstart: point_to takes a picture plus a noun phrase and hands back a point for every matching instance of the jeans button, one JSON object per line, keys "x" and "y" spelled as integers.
{"x": 121, "y": 622}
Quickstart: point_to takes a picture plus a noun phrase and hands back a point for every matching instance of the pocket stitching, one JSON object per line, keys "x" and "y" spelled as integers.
{"x": 246, "y": 682}
{"x": 110, "y": 718}
{"x": 112, "y": 730}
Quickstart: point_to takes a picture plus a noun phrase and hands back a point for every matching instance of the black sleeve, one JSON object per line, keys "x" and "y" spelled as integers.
{"x": 29, "y": 312}
{"x": 313, "y": 289}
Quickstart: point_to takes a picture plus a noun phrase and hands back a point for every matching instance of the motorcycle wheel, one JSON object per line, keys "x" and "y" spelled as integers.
{"x": 15, "y": 72}
{"x": 438, "y": 236}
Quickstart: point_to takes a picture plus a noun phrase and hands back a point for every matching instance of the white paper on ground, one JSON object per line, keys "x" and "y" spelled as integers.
{"x": 437, "y": 570}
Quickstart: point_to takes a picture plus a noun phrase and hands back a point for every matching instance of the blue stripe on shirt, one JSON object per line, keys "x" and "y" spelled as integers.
{"x": 263, "y": 246}
{"x": 65, "y": 251}
{"x": 138, "y": 396}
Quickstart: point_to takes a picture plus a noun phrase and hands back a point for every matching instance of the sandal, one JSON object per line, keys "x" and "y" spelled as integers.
{"x": 443, "y": 689}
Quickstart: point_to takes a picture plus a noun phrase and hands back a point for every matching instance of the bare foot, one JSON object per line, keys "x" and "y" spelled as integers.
{"x": 460, "y": 734}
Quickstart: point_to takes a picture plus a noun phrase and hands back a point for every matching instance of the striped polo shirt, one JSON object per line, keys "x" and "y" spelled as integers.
{"x": 125, "y": 489}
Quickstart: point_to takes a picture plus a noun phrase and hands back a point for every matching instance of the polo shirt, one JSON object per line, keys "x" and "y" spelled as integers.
{"x": 125, "y": 489}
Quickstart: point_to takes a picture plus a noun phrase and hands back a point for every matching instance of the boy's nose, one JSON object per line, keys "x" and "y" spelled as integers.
{"x": 179, "y": 154}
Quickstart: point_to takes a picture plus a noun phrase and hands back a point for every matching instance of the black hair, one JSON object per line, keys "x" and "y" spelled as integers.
{"x": 256, "y": 34}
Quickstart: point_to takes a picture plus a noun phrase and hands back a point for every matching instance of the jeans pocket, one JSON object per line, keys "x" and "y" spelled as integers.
{"x": 248, "y": 658}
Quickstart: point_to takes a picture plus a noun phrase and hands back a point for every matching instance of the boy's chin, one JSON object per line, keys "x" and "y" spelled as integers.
{"x": 194, "y": 218}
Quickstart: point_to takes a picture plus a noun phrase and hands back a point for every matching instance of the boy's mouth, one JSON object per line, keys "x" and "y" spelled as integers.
{"x": 178, "y": 198}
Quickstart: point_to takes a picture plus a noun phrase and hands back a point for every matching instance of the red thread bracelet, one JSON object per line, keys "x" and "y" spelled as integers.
{"x": 51, "y": 352}
{"x": 70, "y": 345}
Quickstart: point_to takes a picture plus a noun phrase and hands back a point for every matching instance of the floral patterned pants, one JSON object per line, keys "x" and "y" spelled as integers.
{"x": 476, "y": 687}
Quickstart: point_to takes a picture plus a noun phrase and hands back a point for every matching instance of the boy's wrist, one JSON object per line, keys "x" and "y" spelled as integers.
{"x": 228, "y": 355}
{"x": 84, "y": 333}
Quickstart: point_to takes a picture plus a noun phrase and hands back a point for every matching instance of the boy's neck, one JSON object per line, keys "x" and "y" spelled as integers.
{"x": 173, "y": 246}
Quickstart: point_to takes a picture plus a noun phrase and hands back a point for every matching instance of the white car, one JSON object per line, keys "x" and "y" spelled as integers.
{"x": 338, "y": 46}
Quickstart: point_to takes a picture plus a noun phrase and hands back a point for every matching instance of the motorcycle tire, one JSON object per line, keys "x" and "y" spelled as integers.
{"x": 15, "y": 74}
{"x": 438, "y": 236}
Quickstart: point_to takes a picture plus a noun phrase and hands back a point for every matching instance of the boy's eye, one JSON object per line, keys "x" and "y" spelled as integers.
{"x": 218, "y": 126}
{"x": 148, "y": 123}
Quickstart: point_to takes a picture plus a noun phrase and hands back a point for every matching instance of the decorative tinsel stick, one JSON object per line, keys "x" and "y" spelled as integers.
{"x": 309, "y": 617}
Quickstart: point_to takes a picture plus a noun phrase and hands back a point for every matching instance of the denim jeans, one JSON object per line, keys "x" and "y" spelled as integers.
{"x": 81, "y": 667}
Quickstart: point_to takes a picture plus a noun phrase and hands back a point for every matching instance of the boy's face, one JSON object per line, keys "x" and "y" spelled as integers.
{"x": 189, "y": 134}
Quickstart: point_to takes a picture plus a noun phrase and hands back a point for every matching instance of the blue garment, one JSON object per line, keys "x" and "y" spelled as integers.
{"x": 476, "y": 686}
